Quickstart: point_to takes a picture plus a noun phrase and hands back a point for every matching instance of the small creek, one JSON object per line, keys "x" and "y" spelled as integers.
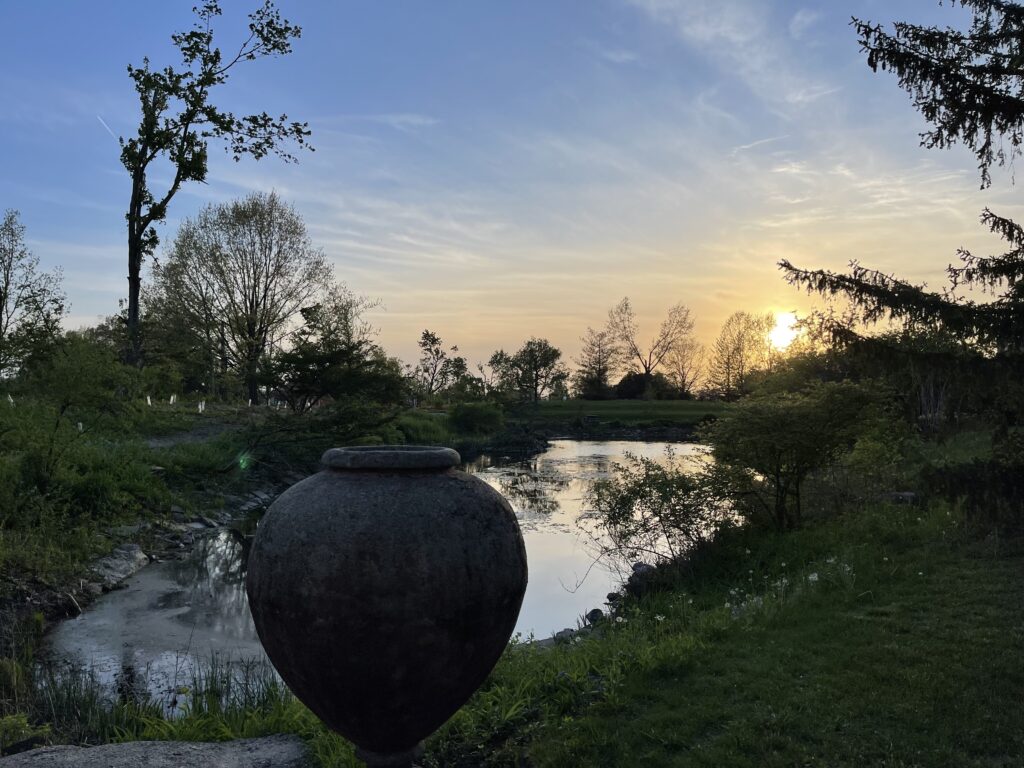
{"x": 174, "y": 611}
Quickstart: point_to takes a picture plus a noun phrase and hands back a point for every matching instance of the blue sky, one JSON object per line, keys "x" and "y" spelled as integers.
{"x": 495, "y": 170}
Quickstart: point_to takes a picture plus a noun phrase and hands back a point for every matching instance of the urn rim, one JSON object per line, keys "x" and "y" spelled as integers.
{"x": 391, "y": 457}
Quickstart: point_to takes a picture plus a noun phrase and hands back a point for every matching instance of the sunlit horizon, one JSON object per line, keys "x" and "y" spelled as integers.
{"x": 785, "y": 331}
{"x": 495, "y": 174}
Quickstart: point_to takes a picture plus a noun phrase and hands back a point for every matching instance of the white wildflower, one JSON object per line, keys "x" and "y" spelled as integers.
{"x": 659, "y": 617}
{"x": 812, "y": 577}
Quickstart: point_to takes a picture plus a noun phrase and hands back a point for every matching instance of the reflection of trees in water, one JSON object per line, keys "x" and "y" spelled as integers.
{"x": 532, "y": 487}
{"x": 214, "y": 577}
{"x": 586, "y": 469}
{"x": 484, "y": 461}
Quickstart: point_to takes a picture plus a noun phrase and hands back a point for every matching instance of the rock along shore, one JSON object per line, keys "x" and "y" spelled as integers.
{"x": 267, "y": 752}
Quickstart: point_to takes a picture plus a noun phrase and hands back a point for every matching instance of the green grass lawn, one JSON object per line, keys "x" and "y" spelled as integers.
{"x": 915, "y": 657}
{"x": 624, "y": 412}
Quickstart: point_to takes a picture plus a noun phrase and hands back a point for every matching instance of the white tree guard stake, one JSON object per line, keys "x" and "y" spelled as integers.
{"x": 10, "y": 399}
{"x": 80, "y": 428}
{"x": 149, "y": 400}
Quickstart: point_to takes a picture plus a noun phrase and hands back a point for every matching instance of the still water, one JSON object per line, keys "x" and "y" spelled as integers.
{"x": 173, "y": 611}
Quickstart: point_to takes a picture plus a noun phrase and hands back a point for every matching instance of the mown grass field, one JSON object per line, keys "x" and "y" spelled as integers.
{"x": 912, "y": 657}
{"x": 625, "y": 413}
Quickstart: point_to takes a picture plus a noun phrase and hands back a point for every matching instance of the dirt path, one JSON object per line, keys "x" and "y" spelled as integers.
{"x": 198, "y": 434}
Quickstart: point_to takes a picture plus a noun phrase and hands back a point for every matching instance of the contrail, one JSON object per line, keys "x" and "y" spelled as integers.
{"x": 744, "y": 147}
{"x": 107, "y": 127}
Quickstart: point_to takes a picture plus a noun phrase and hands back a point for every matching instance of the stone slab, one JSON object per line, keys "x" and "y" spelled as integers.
{"x": 267, "y": 752}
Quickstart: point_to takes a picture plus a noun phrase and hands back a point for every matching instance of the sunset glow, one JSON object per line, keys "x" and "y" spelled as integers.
{"x": 578, "y": 160}
{"x": 784, "y": 332}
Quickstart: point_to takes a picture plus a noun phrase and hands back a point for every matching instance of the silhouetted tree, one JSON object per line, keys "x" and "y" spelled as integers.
{"x": 599, "y": 359}
{"x": 968, "y": 85}
{"x": 31, "y": 302}
{"x": 625, "y": 329}
{"x": 178, "y": 121}
{"x": 437, "y": 370}
{"x": 333, "y": 355}
{"x": 685, "y": 366}
{"x": 250, "y": 266}
{"x": 532, "y": 371}
{"x": 741, "y": 348}
{"x": 635, "y": 386}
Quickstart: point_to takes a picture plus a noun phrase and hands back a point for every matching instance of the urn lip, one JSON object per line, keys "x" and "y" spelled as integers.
{"x": 391, "y": 457}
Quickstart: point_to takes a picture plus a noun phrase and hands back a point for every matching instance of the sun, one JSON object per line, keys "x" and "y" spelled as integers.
{"x": 785, "y": 330}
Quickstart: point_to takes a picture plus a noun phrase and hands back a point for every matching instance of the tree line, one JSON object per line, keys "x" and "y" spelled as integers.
{"x": 242, "y": 305}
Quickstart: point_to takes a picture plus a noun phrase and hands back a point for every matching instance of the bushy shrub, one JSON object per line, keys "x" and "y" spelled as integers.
{"x": 476, "y": 418}
{"x": 637, "y": 386}
{"x": 654, "y": 510}
{"x": 990, "y": 490}
{"x": 420, "y": 428}
{"x": 767, "y": 446}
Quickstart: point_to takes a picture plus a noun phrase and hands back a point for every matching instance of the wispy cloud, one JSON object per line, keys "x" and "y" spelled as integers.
{"x": 399, "y": 121}
{"x": 740, "y": 35}
{"x": 611, "y": 54}
{"x": 802, "y": 21}
{"x": 810, "y": 93}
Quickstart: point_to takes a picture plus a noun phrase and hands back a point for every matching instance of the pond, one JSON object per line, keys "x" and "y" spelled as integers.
{"x": 172, "y": 612}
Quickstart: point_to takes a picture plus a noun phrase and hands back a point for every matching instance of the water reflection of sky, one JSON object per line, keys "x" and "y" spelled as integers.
{"x": 547, "y": 493}
{"x": 170, "y": 612}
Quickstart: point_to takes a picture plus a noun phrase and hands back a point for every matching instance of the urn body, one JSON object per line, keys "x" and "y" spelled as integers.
{"x": 385, "y": 588}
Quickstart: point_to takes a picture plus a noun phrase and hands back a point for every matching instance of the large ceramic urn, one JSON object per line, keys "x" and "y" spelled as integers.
{"x": 384, "y": 589}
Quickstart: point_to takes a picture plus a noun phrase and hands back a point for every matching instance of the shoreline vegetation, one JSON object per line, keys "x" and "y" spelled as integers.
{"x": 830, "y": 643}
{"x": 203, "y": 467}
{"x": 835, "y": 643}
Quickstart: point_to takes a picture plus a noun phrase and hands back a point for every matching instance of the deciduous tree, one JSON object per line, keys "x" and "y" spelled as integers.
{"x": 685, "y": 366}
{"x": 532, "y": 371}
{"x": 437, "y": 369}
{"x": 741, "y": 347}
{"x": 250, "y": 268}
{"x": 179, "y": 120}
{"x": 624, "y": 328}
{"x": 332, "y": 355}
{"x": 31, "y": 302}
{"x": 598, "y": 361}
{"x": 771, "y": 444}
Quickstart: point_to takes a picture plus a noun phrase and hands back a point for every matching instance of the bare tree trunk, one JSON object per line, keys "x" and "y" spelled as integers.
{"x": 134, "y": 351}
{"x": 251, "y": 381}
